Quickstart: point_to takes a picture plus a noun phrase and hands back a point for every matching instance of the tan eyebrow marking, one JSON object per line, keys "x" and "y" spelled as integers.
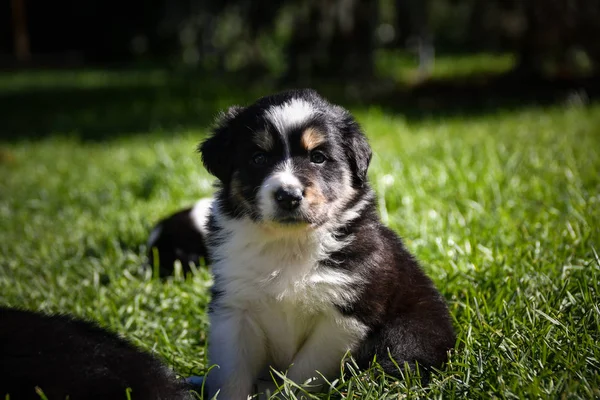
{"x": 311, "y": 138}
{"x": 263, "y": 140}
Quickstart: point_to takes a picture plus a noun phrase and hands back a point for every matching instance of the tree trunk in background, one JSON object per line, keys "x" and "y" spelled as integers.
{"x": 21, "y": 35}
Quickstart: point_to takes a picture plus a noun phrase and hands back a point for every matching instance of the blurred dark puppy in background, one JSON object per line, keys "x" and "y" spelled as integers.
{"x": 180, "y": 237}
{"x": 69, "y": 358}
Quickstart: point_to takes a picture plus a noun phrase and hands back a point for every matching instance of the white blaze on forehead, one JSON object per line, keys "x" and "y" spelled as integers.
{"x": 290, "y": 114}
{"x": 284, "y": 176}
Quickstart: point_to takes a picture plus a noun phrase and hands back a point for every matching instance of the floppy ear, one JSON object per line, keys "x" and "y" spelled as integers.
{"x": 357, "y": 150}
{"x": 217, "y": 149}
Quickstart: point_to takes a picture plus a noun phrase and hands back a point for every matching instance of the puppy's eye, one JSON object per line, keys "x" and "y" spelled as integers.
{"x": 259, "y": 159}
{"x": 317, "y": 157}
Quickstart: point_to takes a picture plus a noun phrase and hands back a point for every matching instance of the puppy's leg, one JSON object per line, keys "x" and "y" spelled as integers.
{"x": 422, "y": 335}
{"x": 413, "y": 340}
{"x": 237, "y": 347}
{"x": 324, "y": 350}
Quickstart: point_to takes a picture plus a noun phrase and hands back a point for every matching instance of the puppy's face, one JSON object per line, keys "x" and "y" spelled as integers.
{"x": 290, "y": 159}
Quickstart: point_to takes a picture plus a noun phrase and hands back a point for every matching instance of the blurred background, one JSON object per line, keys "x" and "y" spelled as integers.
{"x": 135, "y": 65}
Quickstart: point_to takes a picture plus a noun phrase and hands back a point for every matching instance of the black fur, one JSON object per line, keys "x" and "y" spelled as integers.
{"x": 68, "y": 357}
{"x": 179, "y": 240}
{"x": 213, "y": 149}
{"x": 357, "y": 150}
{"x": 407, "y": 316}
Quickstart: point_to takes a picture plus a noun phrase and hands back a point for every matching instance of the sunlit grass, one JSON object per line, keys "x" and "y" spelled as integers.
{"x": 403, "y": 67}
{"x": 503, "y": 210}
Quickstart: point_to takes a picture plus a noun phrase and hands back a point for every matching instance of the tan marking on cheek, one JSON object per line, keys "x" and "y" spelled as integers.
{"x": 311, "y": 138}
{"x": 314, "y": 197}
{"x": 236, "y": 192}
{"x": 264, "y": 140}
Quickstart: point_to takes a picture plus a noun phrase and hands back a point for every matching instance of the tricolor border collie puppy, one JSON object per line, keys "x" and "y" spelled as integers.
{"x": 304, "y": 270}
{"x": 65, "y": 357}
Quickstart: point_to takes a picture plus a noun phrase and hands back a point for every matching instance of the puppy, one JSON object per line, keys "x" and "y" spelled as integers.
{"x": 70, "y": 358}
{"x": 304, "y": 270}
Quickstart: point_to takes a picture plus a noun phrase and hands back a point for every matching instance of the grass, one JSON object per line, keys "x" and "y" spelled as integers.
{"x": 503, "y": 210}
{"x": 403, "y": 67}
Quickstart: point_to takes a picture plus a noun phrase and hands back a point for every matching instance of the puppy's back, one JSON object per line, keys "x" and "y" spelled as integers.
{"x": 67, "y": 357}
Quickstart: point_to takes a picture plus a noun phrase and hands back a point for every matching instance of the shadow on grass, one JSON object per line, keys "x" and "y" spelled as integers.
{"x": 477, "y": 95}
{"x": 108, "y": 109}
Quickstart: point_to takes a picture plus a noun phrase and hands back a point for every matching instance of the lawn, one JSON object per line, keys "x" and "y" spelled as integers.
{"x": 502, "y": 209}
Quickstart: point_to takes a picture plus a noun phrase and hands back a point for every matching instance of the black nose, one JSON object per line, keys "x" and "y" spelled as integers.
{"x": 288, "y": 198}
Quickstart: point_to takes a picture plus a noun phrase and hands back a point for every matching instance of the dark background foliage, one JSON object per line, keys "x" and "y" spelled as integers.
{"x": 300, "y": 39}
{"x": 358, "y": 52}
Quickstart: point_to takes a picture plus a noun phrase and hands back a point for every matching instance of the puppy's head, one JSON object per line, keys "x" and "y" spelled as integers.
{"x": 288, "y": 159}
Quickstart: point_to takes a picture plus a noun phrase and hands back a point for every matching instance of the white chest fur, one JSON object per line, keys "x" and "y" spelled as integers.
{"x": 255, "y": 265}
{"x": 272, "y": 282}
